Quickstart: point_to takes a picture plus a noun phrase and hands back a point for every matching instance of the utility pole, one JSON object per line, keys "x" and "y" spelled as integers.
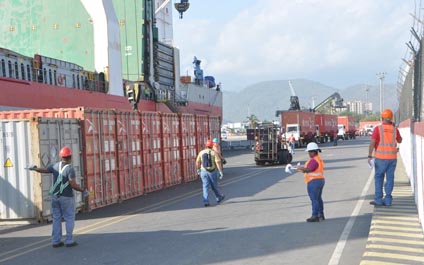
{"x": 367, "y": 89}
{"x": 381, "y": 76}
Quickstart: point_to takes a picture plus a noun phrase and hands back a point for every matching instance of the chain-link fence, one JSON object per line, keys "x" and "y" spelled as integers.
{"x": 410, "y": 82}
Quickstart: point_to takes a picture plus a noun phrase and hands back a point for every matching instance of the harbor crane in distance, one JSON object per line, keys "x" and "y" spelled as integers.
{"x": 294, "y": 100}
{"x": 338, "y": 102}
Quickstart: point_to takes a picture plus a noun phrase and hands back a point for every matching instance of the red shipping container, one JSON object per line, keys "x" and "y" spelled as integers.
{"x": 326, "y": 126}
{"x": 101, "y": 172}
{"x": 301, "y": 123}
{"x": 202, "y": 131}
{"x": 188, "y": 146}
{"x": 129, "y": 154}
{"x": 152, "y": 151}
{"x": 99, "y": 155}
{"x": 171, "y": 149}
{"x": 215, "y": 127}
{"x": 346, "y": 126}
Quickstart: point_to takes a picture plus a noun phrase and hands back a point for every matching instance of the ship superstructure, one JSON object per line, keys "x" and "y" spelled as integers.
{"x": 128, "y": 43}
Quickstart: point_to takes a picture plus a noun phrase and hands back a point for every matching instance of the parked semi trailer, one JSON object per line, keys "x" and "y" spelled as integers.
{"x": 325, "y": 127}
{"x": 346, "y": 127}
{"x": 300, "y": 124}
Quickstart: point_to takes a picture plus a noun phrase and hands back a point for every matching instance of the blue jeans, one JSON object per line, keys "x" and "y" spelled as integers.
{"x": 63, "y": 207}
{"x": 210, "y": 180}
{"x": 292, "y": 146}
{"x": 384, "y": 168}
{"x": 315, "y": 188}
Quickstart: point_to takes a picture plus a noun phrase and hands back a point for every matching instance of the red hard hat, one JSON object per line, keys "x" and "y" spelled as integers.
{"x": 209, "y": 143}
{"x": 65, "y": 152}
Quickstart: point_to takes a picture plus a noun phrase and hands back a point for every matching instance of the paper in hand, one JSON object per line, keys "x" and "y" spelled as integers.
{"x": 289, "y": 168}
{"x": 371, "y": 163}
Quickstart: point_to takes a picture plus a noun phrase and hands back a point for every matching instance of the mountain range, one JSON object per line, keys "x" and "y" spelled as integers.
{"x": 265, "y": 98}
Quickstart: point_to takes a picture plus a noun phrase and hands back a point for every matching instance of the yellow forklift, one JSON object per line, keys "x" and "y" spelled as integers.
{"x": 268, "y": 145}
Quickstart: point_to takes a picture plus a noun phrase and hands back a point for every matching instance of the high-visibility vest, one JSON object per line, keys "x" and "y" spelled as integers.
{"x": 387, "y": 147}
{"x": 317, "y": 173}
{"x": 59, "y": 182}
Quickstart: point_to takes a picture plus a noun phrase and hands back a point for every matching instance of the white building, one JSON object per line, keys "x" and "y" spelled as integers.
{"x": 359, "y": 107}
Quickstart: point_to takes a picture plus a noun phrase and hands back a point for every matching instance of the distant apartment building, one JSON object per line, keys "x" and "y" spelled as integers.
{"x": 359, "y": 107}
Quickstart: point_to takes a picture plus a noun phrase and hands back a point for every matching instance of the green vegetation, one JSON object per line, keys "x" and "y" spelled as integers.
{"x": 253, "y": 121}
{"x": 361, "y": 117}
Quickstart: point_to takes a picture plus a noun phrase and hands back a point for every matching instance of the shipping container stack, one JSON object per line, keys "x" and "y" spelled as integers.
{"x": 117, "y": 155}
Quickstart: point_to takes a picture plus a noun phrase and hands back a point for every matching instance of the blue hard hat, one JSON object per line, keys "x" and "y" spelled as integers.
{"x": 215, "y": 140}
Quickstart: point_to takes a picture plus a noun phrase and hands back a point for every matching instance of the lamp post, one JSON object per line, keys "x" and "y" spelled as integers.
{"x": 381, "y": 76}
{"x": 367, "y": 89}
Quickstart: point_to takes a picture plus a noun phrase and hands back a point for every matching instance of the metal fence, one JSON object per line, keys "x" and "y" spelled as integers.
{"x": 410, "y": 81}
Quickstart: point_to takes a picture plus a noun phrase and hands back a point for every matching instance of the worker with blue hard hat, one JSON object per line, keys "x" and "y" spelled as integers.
{"x": 217, "y": 149}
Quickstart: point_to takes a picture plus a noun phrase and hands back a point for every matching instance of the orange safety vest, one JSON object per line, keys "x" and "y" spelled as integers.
{"x": 387, "y": 147}
{"x": 317, "y": 173}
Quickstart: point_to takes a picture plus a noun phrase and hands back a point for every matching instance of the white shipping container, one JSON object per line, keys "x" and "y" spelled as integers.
{"x": 23, "y": 193}
{"x": 16, "y": 193}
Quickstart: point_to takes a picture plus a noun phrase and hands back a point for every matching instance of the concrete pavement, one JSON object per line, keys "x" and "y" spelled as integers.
{"x": 396, "y": 236}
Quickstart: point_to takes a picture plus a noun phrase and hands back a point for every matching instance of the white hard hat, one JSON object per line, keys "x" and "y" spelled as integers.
{"x": 312, "y": 147}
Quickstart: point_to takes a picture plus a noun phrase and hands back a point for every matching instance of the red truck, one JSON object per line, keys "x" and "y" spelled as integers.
{"x": 366, "y": 127}
{"x": 299, "y": 123}
{"x": 325, "y": 127}
{"x": 346, "y": 127}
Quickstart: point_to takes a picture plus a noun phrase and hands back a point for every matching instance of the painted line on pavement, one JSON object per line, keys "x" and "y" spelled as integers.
{"x": 117, "y": 219}
{"x": 335, "y": 258}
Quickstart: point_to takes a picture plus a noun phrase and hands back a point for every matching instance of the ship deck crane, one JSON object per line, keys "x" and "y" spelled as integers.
{"x": 182, "y": 7}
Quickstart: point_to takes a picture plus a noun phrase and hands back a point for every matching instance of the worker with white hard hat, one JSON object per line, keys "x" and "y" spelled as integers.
{"x": 314, "y": 178}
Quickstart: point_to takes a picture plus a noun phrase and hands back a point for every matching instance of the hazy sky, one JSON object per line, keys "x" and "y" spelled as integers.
{"x": 336, "y": 42}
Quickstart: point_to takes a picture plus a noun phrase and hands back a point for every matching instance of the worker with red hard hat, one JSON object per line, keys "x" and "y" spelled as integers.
{"x": 209, "y": 167}
{"x": 62, "y": 197}
{"x": 384, "y": 140}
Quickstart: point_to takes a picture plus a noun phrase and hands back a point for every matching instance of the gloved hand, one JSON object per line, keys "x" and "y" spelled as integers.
{"x": 85, "y": 193}
{"x": 198, "y": 171}
{"x": 221, "y": 175}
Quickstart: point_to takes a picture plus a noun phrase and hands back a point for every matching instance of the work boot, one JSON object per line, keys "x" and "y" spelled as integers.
{"x": 222, "y": 198}
{"x": 376, "y": 204}
{"x": 312, "y": 219}
{"x": 60, "y": 244}
{"x": 73, "y": 244}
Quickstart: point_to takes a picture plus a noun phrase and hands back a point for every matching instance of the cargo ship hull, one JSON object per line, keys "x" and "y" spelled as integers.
{"x": 20, "y": 94}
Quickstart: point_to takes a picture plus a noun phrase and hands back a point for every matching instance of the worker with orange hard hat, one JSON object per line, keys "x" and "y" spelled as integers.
{"x": 384, "y": 140}
{"x": 62, "y": 197}
{"x": 209, "y": 168}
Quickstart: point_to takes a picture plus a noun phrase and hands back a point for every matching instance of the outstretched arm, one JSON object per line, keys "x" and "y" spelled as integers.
{"x": 40, "y": 170}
